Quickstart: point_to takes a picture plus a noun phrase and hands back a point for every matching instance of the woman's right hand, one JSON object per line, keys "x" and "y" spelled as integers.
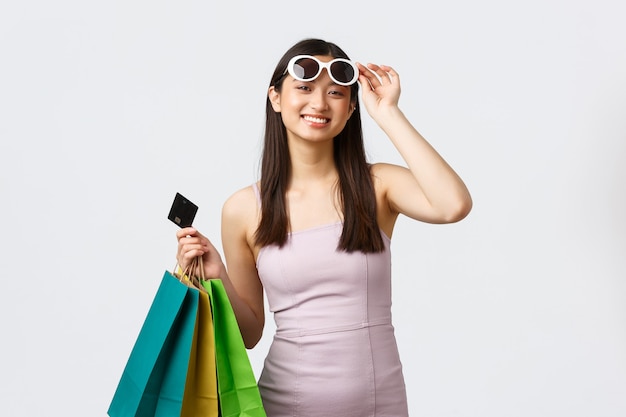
{"x": 192, "y": 244}
{"x": 246, "y": 300}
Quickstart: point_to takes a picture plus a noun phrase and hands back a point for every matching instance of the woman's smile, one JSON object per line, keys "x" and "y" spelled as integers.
{"x": 315, "y": 120}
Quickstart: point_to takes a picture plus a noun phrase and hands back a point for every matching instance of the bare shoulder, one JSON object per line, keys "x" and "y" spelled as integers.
{"x": 384, "y": 175}
{"x": 242, "y": 202}
{"x": 384, "y": 170}
{"x": 240, "y": 211}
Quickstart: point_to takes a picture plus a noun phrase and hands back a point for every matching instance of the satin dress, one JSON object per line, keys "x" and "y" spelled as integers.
{"x": 334, "y": 353}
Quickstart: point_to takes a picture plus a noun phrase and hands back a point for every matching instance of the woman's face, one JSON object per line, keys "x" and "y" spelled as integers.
{"x": 313, "y": 110}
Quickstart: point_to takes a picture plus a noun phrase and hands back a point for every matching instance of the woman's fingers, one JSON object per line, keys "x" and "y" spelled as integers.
{"x": 377, "y": 74}
{"x": 190, "y": 245}
{"x": 186, "y": 231}
{"x": 372, "y": 79}
{"x": 387, "y": 74}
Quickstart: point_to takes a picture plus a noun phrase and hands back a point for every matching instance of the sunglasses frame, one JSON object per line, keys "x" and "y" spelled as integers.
{"x": 321, "y": 65}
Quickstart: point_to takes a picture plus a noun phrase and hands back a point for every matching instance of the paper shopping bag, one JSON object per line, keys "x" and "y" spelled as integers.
{"x": 238, "y": 390}
{"x": 153, "y": 379}
{"x": 200, "y": 398}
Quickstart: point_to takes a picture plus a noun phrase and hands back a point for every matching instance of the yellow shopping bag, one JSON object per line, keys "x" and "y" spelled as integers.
{"x": 200, "y": 397}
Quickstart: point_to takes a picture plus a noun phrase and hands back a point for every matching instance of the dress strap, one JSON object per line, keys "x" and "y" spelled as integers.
{"x": 257, "y": 193}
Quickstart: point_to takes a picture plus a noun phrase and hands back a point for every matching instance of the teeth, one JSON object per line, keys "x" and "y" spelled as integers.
{"x": 315, "y": 119}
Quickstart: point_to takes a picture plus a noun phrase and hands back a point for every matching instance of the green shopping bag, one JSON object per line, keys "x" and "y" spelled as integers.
{"x": 238, "y": 390}
{"x": 153, "y": 381}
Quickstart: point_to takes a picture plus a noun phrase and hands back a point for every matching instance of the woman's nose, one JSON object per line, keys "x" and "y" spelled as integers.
{"x": 319, "y": 100}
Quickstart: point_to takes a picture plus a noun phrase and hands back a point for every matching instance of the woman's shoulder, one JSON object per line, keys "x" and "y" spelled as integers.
{"x": 387, "y": 175}
{"x": 242, "y": 202}
{"x": 384, "y": 174}
{"x": 241, "y": 208}
{"x": 384, "y": 168}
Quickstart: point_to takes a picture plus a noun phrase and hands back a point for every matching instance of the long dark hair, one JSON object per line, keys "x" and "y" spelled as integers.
{"x": 356, "y": 190}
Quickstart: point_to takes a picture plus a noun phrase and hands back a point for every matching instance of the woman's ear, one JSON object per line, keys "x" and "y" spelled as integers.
{"x": 352, "y": 107}
{"x": 274, "y": 97}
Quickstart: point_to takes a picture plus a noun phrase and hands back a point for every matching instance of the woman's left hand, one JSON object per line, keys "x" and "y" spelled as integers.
{"x": 380, "y": 86}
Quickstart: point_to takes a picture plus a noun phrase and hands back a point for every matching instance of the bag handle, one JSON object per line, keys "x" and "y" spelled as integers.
{"x": 188, "y": 275}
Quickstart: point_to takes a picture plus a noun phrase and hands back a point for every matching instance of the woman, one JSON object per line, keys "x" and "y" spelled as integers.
{"x": 314, "y": 233}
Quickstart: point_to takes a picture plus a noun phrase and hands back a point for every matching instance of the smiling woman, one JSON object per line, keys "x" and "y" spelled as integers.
{"x": 109, "y": 108}
{"x": 315, "y": 232}
{"x": 315, "y": 98}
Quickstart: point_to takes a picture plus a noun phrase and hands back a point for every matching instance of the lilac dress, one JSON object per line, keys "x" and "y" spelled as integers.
{"x": 334, "y": 352}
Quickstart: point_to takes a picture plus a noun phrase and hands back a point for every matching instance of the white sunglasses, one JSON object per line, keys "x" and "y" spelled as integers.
{"x": 307, "y": 68}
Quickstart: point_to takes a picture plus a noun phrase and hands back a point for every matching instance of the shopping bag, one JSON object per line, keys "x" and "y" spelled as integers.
{"x": 238, "y": 390}
{"x": 153, "y": 379}
{"x": 200, "y": 397}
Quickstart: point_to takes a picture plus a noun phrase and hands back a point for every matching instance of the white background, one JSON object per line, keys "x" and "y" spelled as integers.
{"x": 107, "y": 109}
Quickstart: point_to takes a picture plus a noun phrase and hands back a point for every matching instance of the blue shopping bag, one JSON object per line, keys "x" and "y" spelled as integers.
{"x": 153, "y": 381}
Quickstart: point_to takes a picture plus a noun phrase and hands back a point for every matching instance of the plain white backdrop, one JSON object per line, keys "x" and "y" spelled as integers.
{"x": 107, "y": 109}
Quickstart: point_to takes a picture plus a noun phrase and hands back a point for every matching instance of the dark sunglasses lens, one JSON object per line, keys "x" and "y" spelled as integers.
{"x": 342, "y": 71}
{"x": 305, "y": 68}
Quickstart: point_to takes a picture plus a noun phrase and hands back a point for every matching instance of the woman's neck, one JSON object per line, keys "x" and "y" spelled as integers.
{"x": 312, "y": 162}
